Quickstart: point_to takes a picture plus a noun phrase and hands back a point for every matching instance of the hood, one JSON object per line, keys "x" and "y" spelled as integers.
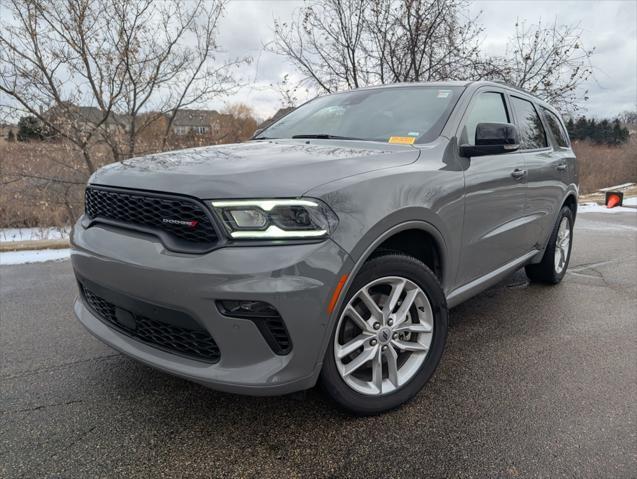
{"x": 282, "y": 168}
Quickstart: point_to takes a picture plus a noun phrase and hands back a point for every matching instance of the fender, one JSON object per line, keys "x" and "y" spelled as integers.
{"x": 572, "y": 191}
{"x": 367, "y": 252}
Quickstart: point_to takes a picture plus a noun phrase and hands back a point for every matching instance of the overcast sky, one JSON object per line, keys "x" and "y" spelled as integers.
{"x": 610, "y": 26}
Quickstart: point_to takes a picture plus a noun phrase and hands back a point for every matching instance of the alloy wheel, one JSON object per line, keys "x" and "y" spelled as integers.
{"x": 562, "y": 245}
{"x": 383, "y": 335}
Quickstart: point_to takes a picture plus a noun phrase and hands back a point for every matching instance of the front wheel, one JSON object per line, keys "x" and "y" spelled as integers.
{"x": 554, "y": 263}
{"x": 389, "y": 337}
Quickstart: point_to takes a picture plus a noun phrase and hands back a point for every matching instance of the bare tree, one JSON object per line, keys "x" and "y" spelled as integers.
{"x": 423, "y": 40}
{"x": 340, "y": 44}
{"x": 326, "y": 43}
{"x": 122, "y": 58}
{"x": 337, "y": 44}
{"x": 628, "y": 117}
{"x": 548, "y": 61}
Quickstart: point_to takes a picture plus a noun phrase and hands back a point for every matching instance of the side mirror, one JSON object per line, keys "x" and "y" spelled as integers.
{"x": 492, "y": 139}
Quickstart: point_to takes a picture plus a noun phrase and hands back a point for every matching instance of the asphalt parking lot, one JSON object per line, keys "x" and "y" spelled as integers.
{"x": 536, "y": 382}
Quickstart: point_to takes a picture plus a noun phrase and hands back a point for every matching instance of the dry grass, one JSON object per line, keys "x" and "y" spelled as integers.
{"x": 601, "y": 166}
{"x": 29, "y": 197}
{"x": 42, "y": 183}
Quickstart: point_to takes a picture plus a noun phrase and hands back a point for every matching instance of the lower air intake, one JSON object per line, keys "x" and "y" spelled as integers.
{"x": 193, "y": 343}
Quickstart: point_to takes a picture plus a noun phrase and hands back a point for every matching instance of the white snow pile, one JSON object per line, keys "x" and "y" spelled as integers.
{"x": 595, "y": 208}
{"x": 33, "y": 234}
{"x": 33, "y": 256}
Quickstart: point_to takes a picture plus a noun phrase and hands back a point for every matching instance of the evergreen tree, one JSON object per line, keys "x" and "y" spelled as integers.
{"x": 619, "y": 134}
{"x": 29, "y": 128}
{"x": 604, "y": 132}
{"x": 581, "y": 128}
{"x": 570, "y": 128}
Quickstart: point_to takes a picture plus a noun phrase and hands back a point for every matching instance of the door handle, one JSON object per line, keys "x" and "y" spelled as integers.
{"x": 561, "y": 167}
{"x": 518, "y": 174}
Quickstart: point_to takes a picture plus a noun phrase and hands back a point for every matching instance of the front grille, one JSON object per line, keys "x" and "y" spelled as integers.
{"x": 180, "y": 219}
{"x": 193, "y": 343}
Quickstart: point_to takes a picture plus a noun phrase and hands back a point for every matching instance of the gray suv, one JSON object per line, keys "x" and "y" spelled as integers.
{"x": 330, "y": 247}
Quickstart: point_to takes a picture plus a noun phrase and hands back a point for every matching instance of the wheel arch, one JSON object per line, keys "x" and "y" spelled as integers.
{"x": 402, "y": 231}
{"x": 571, "y": 202}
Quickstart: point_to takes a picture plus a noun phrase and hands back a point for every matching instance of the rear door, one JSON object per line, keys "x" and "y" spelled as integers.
{"x": 495, "y": 195}
{"x": 549, "y": 174}
{"x": 543, "y": 193}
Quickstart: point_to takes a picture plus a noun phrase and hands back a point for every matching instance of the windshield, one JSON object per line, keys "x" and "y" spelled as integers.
{"x": 411, "y": 114}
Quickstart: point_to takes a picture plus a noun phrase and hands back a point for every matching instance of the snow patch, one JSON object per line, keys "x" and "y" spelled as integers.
{"x": 32, "y": 234}
{"x": 34, "y": 256}
{"x": 630, "y": 201}
{"x": 617, "y": 187}
{"x": 595, "y": 208}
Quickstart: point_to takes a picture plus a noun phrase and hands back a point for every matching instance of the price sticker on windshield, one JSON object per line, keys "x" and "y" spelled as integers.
{"x": 402, "y": 140}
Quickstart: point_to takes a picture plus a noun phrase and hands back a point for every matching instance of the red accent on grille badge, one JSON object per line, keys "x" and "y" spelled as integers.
{"x": 190, "y": 224}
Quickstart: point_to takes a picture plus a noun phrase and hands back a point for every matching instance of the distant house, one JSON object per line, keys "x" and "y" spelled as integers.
{"x": 199, "y": 122}
{"x": 85, "y": 118}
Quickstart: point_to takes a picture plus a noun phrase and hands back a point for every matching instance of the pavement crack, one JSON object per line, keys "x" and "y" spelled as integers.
{"x": 42, "y": 406}
{"x": 31, "y": 372}
{"x": 585, "y": 266}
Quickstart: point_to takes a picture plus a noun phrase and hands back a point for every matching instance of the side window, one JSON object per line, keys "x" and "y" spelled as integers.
{"x": 555, "y": 125}
{"x": 532, "y": 133}
{"x": 488, "y": 107}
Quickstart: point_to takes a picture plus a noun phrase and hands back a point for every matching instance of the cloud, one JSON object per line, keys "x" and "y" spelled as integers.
{"x": 608, "y": 25}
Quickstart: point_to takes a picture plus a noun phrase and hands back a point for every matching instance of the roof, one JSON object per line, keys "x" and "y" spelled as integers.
{"x": 88, "y": 114}
{"x": 94, "y": 115}
{"x": 194, "y": 117}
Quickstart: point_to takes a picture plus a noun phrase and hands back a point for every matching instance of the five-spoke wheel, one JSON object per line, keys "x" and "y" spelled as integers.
{"x": 562, "y": 244}
{"x": 552, "y": 268}
{"x": 389, "y": 335}
{"x": 383, "y": 335}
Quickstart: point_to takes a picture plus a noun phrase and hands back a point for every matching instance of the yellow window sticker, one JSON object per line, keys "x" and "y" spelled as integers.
{"x": 402, "y": 140}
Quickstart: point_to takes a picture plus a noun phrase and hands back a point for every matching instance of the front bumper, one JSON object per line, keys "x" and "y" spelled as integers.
{"x": 298, "y": 280}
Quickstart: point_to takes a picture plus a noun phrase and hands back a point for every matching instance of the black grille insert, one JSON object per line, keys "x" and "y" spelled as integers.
{"x": 266, "y": 318}
{"x": 195, "y": 343}
{"x": 181, "y": 223}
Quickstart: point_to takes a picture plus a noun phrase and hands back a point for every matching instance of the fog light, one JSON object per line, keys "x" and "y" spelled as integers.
{"x": 247, "y": 309}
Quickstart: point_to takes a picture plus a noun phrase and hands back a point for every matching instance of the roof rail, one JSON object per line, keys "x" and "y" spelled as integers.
{"x": 504, "y": 83}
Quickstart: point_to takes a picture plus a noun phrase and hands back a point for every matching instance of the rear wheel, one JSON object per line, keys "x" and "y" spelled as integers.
{"x": 389, "y": 337}
{"x": 554, "y": 263}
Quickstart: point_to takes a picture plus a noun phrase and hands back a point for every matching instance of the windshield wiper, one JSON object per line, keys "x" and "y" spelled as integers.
{"x": 325, "y": 136}
{"x": 264, "y": 138}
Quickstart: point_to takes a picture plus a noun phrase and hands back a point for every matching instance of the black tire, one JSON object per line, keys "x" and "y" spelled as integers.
{"x": 545, "y": 271}
{"x": 390, "y": 264}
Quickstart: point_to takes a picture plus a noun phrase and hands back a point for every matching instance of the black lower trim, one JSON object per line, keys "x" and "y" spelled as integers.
{"x": 170, "y": 330}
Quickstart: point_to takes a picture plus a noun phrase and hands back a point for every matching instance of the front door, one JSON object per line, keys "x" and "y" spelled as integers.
{"x": 495, "y": 230}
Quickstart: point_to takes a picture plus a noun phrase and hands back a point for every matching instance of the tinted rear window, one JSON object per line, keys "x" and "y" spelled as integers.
{"x": 532, "y": 135}
{"x": 555, "y": 125}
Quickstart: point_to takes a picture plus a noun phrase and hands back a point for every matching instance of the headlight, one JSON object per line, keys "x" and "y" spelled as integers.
{"x": 276, "y": 219}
